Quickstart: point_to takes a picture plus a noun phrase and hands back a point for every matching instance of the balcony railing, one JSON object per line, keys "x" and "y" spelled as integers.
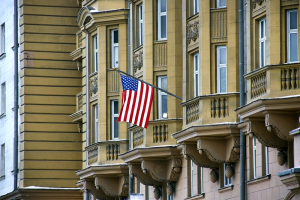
{"x": 157, "y": 133}
{"x": 273, "y": 81}
{"x": 106, "y": 152}
{"x": 210, "y": 109}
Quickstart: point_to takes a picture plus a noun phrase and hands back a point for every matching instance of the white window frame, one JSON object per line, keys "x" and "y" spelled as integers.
{"x": 2, "y": 167}
{"x": 95, "y": 46}
{"x": 195, "y": 6}
{"x": 160, "y": 14}
{"x": 196, "y": 75}
{"x": 3, "y": 98}
{"x": 141, "y": 24}
{"x": 113, "y": 135}
{"x": 96, "y": 122}
{"x": 219, "y": 4}
{"x": 202, "y": 180}
{"x": 219, "y": 67}
{"x": 290, "y": 31}
{"x": 262, "y": 40}
{"x": 227, "y": 181}
{"x": 2, "y": 50}
{"x": 267, "y": 160}
{"x": 114, "y": 62}
{"x": 160, "y": 94}
{"x": 254, "y": 156}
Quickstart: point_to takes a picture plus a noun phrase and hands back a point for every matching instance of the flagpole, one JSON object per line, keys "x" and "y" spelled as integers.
{"x": 147, "y": 83}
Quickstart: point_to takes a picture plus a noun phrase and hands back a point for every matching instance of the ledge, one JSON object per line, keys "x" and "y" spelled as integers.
{"x": 77, "y": 54}
{"x": 2, "y": 56}
{"x": 288, "y": 172}
{"x": 92, "y": 74}
{"x": 225, "y": 189}
{"x": 198, "y": 196}
{"x": 2, "y": 177}
{"x": 209, "y": 96}
{"x": 77, "y": 116}
{"x": 258, "y": 180}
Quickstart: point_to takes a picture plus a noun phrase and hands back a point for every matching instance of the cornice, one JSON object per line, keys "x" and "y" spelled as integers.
{"x": 77, "y": 54}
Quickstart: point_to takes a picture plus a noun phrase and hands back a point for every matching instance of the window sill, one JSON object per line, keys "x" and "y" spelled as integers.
{"x": 2, "y": 177}
{"x": 198, "y": 196}
{"x": 258, "y": 180}
{"x": 2, "y": 56}
{"x": 225, "y": 189}
{"x": 2, "y": 115}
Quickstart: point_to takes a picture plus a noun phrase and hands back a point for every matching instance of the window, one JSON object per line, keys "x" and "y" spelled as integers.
{"x": 292, "y": 35}
{"x": 115, "y": 48}
{"x": 192, "y": 178}
{"x": 115, "y": 115}
{"x": 196, "y": 75}
{"x": 262, "y": 42}
{"x": 162, "y": 98}
{"x": 2, "y": 38}
{"x": 202, "y": 181}
{"x": 221, "y": 69}
{"x": 196, "y": 7}
{"x": 227, "y": 181}
{"x": 196, "y": 179}
{"x": 3, "y": 98}
{"x": 2, "y": 171}
{"x": 254, "y": 157}
{"x": 162, "y": 19}
{"x": 141, "y": 24}
{"x": 221, "y": 3}
{"x": 95, "y": 53}
{"x": 94, "y": 127}
{"x": 267, "y": 160}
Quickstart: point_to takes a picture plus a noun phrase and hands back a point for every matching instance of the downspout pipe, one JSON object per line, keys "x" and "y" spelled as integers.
{"x": 129, "y": 71}
{"x": 16, "y": 95}
{"x": 242, "y": 101}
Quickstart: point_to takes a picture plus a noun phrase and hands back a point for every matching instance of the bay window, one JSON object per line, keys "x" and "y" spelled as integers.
{"x": 162, "y": 98}
{"x": 221, "y": 69}
{"x": 262, "y": 42}
{"x": 292, "y": 35}
{"x": 196, "y": 74}
{"x": 114, "y": 117}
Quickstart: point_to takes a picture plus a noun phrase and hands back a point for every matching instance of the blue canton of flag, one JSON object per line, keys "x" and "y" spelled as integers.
{"x": 129, "y": 83}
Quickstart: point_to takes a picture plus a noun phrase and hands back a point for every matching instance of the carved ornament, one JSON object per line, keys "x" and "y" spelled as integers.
{"x": 93, "y": 85}
{"x": 138, "y": 61}
{"x": 254, "y": 2}
{"x": 192, "y": 31}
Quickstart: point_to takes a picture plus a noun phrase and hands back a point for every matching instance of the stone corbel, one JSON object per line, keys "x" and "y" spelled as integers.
{"x": 89, "y": 185}
{"x": 227, "y": 151}
{"x": 113, "y": 186}
{"x": 190, "y": 150}
{"x": 163, "y": 170}
{"x": 281, "y": 124}
{"x": 145, "y": 178}
{"x": 257, "y": 128}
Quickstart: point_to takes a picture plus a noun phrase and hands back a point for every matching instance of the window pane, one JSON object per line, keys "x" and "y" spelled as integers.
{"x": 222, "y": 3}
{"x": 116, "y": 107}
{"x": 262, "y": 54}
{"x": 164, "y": 83}
{"x": 116, "y": 37}
{"x": 223, "y": 79}
{"x": 196, "y": 62}
{"x": 163, "y": 5}
{"x": 293, "y": 20}
{"x": 261, "y": 29}
{"x": 163, "y": 26}
{"x": 141, "y": 33}
{"x": 222, "y": 55}
{"x": 294, "y": 47}
{"x": 164, "y": 99}
{"x": 95, "y": 42}
{"x": 141, "y": 12}
{"x": 116, "y": 128}
{"x": 196, "y": 85}
{"x": 116, "y": 56}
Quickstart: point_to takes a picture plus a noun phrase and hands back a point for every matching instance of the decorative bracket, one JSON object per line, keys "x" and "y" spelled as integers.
{"x": 93, "y": 85}
{"x": 113, "y": 186}
{"x": 138, "y": 61}
{"x": 228, "y": 150}
{"x": 190, "y": 150}
{"x": 254, "y": 2}
{"x": 192, "y": 31}
{"x": 163, "y": 170}
{"x": 144, "y": 178}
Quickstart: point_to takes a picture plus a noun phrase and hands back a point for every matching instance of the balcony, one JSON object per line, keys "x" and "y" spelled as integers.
{"x": 210, "y": 109}
{"x": 158, "y": 133}
{"x": 106, "y": 152}
{"x": 273, "y": 81}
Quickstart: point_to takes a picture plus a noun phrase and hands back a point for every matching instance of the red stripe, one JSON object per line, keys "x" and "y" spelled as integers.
{"x": 132, "y": 108}
{"x": 127, "y": 106}
{"x": 139, "y": 103}
{"x": 123, "y": 101}
{"x": 150, "y": 105}
{"x": 143, "y": 115}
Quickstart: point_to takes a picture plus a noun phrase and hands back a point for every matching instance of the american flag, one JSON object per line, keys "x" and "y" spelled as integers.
{"x": 136, "y": 101}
